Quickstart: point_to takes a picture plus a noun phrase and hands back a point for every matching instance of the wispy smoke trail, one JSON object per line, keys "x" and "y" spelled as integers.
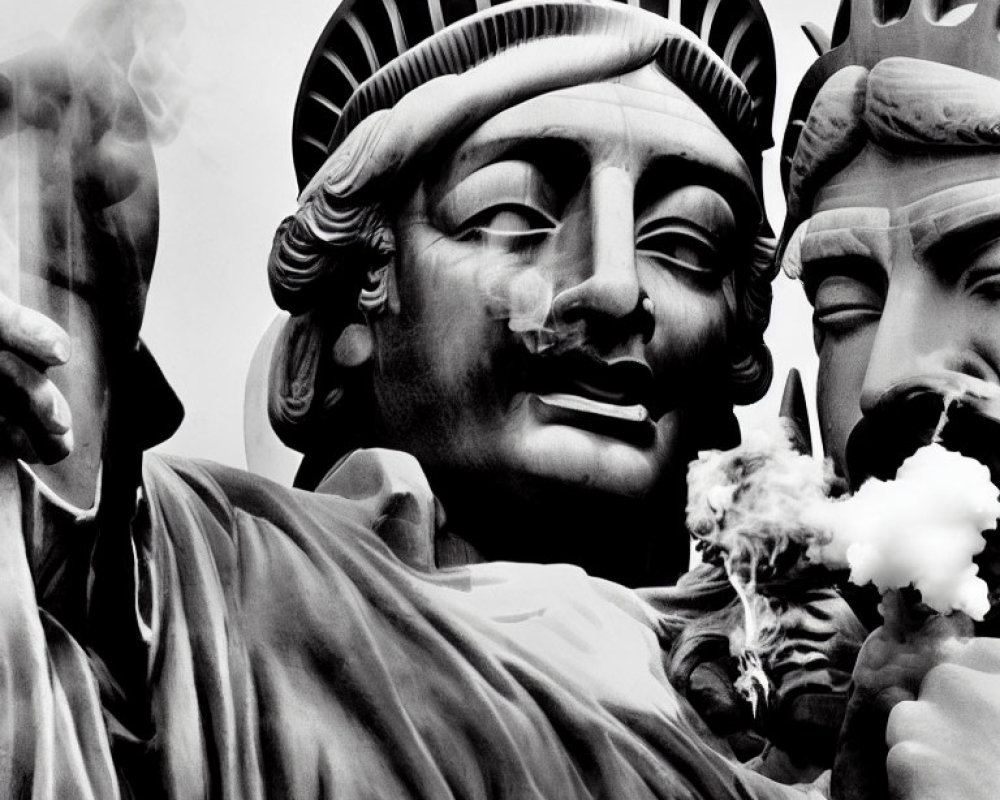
{"x": 139, "y": 42}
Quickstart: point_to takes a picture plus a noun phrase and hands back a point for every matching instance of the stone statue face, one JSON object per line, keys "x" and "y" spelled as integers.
{"x": 902, "y": 261}
{"x": 561, "y": 279}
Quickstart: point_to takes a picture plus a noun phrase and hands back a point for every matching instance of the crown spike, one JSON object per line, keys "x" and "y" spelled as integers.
{"x": 750, "y": 69}
{"x": 341, "y": 67}
{"x": 366, "y": 43}
{"x": 397, "y": 25}
{"x": 316, "y": 97}
{"x": 708, "y": 18}
{"x": 437, "y": 15}
{"x": 734, "y": 40}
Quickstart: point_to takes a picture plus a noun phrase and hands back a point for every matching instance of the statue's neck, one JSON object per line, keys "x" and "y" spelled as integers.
{"x": 633, "y": 542}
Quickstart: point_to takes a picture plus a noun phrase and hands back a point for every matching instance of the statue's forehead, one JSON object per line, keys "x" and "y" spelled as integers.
{"x": 639, "y": 116}
{"x": 913, "y": 185}
{"x": 884, "y": 206}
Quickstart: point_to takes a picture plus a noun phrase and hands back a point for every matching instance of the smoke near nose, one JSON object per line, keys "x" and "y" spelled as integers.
{"x": 528, "y": 270}
{"x": 523, "y": 297}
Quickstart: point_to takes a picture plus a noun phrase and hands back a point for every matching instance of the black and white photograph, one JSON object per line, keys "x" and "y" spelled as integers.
{"x": 500, "y": 400}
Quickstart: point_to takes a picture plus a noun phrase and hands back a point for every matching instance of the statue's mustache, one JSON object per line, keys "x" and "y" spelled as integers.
{"x": 960, "y": 411}
{"x": 578, "y": 369}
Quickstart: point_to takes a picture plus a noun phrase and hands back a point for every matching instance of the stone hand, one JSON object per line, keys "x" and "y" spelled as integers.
{"x": 35, "y": 420}
{"x": 890, "y": 670}
{"x": 944, "y": 744}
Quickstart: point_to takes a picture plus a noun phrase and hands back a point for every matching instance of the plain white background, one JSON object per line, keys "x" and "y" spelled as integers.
{"x": 226, "y": 182}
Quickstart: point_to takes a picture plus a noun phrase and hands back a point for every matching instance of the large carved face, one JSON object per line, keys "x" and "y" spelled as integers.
{"x": 562, "y": 286}
{"x": 902, "y": 262}
{"x": 900, "y": 256}
{"x": 900, "y": 250}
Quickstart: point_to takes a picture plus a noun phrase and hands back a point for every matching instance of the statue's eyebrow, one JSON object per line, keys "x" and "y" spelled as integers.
{"x": 854, "y": 231}
{"x": 551, "y": 153}
{"x": 962, "y": 217}
{"x": 505, "y": 182}
{"x": 668, "y": 172}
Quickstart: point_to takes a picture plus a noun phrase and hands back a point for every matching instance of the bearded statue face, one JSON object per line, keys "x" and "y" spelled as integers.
{"x": 897, "y": 243}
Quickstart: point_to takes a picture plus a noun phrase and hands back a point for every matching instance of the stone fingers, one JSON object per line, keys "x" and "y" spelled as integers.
{"x": 32, "y": 335}
{"x": 35, "y": 419}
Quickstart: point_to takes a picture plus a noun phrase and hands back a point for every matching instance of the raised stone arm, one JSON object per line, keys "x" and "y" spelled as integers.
{"x": 78, "y": 223}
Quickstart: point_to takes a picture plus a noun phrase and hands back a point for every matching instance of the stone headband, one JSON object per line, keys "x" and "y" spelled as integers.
{"x": 366, "y": 60}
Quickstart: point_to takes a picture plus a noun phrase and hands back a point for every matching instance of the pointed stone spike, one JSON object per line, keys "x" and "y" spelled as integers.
{"x": 818, "y": 38}
{"x": 796, "y": 413}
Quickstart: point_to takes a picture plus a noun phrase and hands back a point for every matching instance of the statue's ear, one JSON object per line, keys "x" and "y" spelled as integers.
{"x": 380, "y": 294}
{"x": 354, "y": 346}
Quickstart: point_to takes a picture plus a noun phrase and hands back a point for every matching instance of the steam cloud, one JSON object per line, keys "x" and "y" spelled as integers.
{"x": 765, "y": 512}
{"x": 921, "y": 529}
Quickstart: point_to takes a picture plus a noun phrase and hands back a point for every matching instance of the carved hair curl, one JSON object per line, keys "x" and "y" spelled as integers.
{"x": 331, "y": 252}
{"x": 751, "y": 367}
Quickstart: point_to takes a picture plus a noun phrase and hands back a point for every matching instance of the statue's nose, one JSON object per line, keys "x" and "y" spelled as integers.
{"x": 924, "y": 329}
{"x": 605, "y": 280}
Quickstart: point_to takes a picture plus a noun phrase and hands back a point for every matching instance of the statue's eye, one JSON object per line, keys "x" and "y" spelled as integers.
{"x": 688, "y": 231}
{"x": 507, "y": 205}
{"x": 982, "y": 277}
{"x": 508, "y": 225}
{"x": 678, "y": 245}
{"x": 844, "y": 302}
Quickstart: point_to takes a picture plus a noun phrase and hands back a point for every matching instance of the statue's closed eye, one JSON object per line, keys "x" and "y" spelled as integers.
{"x": 508, "y": 203}
{"x": 843, "y": 299}
{"x": 507, "y": 225}
{"x": 982, "y": 276}
{"x": 688, "y": 230}
{"x": 677, "y": 244}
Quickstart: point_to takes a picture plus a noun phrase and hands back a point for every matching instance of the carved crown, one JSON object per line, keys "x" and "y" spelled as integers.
{"x": 960, "y": 33}
{"x": 364, "y": 36}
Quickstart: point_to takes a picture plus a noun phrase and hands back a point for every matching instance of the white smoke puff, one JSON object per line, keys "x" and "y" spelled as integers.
{"x": 529, "y": 299}
{"x": 750, "y": 502}
{"x": 923, "y": 528}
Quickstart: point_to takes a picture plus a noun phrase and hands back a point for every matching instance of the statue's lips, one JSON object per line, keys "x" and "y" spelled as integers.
{"x": 609, "y": 396}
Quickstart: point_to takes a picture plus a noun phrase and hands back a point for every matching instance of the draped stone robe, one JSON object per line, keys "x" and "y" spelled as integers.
{"x": 303, "y": 645}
